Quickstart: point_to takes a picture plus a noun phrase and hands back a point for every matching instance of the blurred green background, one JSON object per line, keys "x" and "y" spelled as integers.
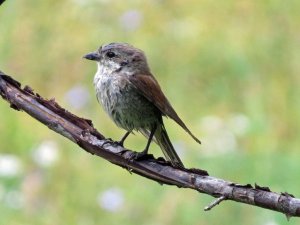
{"x": 230, "y": 68}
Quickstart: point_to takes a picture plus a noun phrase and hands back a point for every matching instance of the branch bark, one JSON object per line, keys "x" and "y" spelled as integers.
{"x": 82, "y": 132}
{"x": 1, "y": 1}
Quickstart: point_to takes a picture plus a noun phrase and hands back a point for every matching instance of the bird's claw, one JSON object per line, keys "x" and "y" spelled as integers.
{"x": 138, "y": 156}
{"x": 112, "y": 142}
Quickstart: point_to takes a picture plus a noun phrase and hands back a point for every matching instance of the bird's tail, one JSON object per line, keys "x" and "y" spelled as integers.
{"x": 162, "y": 139}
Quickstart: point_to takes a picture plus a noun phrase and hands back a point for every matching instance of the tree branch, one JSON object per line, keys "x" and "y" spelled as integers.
{"x": 82, "y": 132}
{"x": 1, "y": 1}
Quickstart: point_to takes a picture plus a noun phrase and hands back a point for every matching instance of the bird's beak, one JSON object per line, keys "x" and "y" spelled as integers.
{"x": 95, "y": 56}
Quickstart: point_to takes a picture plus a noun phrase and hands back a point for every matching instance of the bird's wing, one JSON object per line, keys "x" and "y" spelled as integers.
{"x": 147, "y": 86}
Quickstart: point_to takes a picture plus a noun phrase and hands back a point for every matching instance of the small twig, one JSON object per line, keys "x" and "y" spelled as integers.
{"x": 215, "y": 203}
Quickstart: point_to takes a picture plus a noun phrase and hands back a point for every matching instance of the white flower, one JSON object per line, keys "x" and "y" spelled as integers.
{"x": 10, "y": 165}
{"x": 131, "y": 20}
{"x": 46, "y": 154}
{"x": 78, "y": 97}
{"x": 239, "y": 124}
{"x": 111, "y": 200}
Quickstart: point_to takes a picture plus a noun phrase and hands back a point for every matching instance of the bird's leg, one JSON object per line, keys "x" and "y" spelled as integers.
{"x": 140, "y": 155}
{"x": 121, "y": 142}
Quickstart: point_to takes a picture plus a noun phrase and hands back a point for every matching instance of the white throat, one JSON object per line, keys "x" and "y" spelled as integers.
{"x": 105, "y": 70}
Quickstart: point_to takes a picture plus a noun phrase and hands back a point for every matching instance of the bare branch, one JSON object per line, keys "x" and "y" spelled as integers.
{"x": 82, "y": 132}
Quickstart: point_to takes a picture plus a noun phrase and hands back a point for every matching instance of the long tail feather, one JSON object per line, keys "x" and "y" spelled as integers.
{"x": 166, "y": 146}
{"x": 162, "y": 139}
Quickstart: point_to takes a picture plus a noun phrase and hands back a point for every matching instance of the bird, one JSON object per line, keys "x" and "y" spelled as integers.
{"x": 132, "y": 97}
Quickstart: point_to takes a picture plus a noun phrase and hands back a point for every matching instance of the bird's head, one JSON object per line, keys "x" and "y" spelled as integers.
{"x": 120, "y": 56}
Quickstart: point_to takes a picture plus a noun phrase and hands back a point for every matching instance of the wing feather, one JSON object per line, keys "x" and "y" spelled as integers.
{"x": 150, "y": 89}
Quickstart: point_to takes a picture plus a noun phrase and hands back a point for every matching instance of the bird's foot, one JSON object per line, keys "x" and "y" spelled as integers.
{"x": 112, "y": 142}
{"x": 139, "y": 155}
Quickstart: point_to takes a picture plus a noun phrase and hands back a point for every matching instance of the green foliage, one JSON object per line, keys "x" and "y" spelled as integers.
{"x": 230, "y": 69}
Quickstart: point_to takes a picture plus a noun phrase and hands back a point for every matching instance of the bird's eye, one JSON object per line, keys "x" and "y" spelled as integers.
{"x": 110, "y": 54}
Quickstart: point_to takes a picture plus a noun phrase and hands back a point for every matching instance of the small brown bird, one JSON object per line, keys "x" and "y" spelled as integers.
{"x": 132, "y": 97}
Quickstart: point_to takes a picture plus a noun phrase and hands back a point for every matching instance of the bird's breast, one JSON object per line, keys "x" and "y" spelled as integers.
{"x": 123, "y": 103}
